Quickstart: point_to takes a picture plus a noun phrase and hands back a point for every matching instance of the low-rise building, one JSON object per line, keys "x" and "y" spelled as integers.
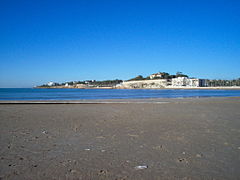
{"x": 179, "y": 81}
{"x": 51, "y": 83}
{"x": 203, "y": 83}
{"x": 81, "y": 86}
{"x": 189, "y": 82}
{"x": 192, "y": 82}
{"x": 156, "y": 75}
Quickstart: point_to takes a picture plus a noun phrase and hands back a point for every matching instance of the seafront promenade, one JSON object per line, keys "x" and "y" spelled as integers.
{"x": 191, "y": 138}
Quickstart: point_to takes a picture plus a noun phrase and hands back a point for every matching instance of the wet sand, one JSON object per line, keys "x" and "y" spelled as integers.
{"x": 177, "y": 139}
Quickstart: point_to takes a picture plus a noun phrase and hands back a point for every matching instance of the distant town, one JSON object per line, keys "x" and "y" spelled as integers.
{"x": 158, "y": 80}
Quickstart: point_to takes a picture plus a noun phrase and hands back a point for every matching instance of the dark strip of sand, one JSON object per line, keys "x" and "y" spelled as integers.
{"x": 112, "y": 101}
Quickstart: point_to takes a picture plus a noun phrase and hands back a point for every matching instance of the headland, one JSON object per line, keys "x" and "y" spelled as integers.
{"x": 160, "y": 80}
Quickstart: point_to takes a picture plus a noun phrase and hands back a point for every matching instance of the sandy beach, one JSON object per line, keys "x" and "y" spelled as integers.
{"x": 192, "y": 138}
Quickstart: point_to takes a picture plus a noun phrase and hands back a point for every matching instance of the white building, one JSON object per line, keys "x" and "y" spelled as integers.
{"x": 179, "y": 81}
{"x": 184, "y": 81}
{"x": 51, "y": 83}
{"x": 193, "y": 82}
{"x": 156, "y": 75}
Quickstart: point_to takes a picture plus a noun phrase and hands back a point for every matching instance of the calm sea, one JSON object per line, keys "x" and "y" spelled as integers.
{"x": 77, "y": 94}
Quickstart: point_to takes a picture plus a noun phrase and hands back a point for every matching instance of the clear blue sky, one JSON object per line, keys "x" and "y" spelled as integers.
{"x": 44, "y": 40}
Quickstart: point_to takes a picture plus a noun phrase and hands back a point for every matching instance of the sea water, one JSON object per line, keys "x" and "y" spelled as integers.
{"x": 78, "y": 94}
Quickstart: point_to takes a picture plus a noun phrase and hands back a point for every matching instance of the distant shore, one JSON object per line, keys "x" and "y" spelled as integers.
{"x": 170, "y": 87}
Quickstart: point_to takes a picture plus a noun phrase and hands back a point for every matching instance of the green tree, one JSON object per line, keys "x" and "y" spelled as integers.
{"x": 180, "y": 74}
{"x": 139, "y": 77}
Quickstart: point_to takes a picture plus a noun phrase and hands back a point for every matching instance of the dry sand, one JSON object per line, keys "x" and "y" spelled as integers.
{"x": 181, "y": 139}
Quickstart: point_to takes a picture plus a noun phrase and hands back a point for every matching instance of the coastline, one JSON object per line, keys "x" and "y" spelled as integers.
{"x": 174, "y": 88}
{"x": 188, "y": 138}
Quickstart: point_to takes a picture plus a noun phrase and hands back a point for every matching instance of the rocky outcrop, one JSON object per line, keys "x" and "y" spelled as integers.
{"x": 145, "y": 84}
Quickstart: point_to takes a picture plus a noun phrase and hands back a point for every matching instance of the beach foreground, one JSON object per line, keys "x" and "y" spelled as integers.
{"x": 139, "y": 139}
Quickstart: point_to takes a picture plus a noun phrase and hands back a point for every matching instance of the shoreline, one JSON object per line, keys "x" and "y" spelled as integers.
{"x": 166, "y": 88}
{"x": 113, "y": 101}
